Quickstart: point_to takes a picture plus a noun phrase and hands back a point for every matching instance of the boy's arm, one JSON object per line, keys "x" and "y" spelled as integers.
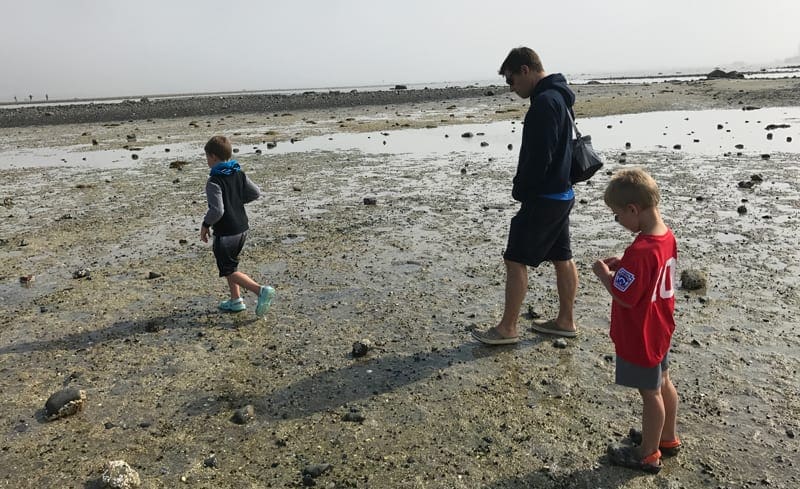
{"x": 251, "y": 191}
{"x": 606, "y": 275}
{"x": 216, "y": 208}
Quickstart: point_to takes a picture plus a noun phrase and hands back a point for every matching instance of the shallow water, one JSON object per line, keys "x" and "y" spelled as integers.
{"x": 707, "y": 132}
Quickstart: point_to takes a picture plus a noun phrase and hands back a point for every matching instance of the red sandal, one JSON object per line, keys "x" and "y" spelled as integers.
{"x": 669, "y": 448}
{"x": 629, "y": 457}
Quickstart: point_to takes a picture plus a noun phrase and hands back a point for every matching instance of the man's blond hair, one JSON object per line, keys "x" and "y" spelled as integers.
{"x": 632, "y": 186}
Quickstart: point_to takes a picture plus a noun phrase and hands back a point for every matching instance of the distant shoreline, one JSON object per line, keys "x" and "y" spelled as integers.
{"x": 593, "y": 100}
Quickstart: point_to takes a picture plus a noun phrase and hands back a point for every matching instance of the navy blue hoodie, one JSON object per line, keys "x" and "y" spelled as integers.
{"x": 546, "y": 152}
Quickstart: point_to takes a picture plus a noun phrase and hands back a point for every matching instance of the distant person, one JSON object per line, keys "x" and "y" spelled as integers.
{"x": 641, "y": 284}
{"x": 227, "y": 190}
{"x": 30, "y": 98}
{"x": 47, "y": 97}
{"x": 540, "y": 230}
{"x": 15, "y": 99}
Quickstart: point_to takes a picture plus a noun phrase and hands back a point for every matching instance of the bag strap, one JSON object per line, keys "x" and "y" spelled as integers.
{"x": 572, "y": 120}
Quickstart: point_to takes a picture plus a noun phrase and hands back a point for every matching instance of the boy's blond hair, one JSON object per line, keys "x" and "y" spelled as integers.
{"x": 219, "y": 146}
{"x": 632, "y": 186}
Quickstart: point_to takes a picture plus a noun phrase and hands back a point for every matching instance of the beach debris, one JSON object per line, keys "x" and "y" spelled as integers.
{"x": 467, "y": 135}
{"x": 82, "y": 273}
{"x": 316, "y": 470}
{"x": 119, "y": 475}
{"x": 694, "y": 279}
{"x": 244, "y": 414}
{"x": 178, "y": 164}
{"x": 63, "y": 403}
{"x": 361, "y": 348}
{"x": 211, "y": 462}
{"x": 353, "y": 416}
{"x": 370, "y": 201}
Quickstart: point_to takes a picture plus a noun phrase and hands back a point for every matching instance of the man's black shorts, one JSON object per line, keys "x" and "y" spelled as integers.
{"x": 226, "y": 251}
{"x": 540, "y": 232}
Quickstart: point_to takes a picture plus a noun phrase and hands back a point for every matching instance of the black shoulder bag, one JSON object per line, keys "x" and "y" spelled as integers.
{"x": 585, "y": 162}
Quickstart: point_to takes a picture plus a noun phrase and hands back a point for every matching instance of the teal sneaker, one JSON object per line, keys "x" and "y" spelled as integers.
{"x": 265, "y": 297}
{"x": 233, "y": 305}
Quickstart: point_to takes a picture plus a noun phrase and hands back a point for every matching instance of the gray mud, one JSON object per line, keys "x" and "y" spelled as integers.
{"x": 164, "y": 371}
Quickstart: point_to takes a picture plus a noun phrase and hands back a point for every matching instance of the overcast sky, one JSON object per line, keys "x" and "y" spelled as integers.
{"x": 82, "y": 48}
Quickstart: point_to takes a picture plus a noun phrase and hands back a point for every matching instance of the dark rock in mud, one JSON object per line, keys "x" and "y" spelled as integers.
{"x": 724, "y": 74}
{"x": 748, "y": 184}
{"x": 82, "y": 273}
{"x": 361, "y": 348}
{"x": 65, "y": 402}
{"x": 244, "y": 415}
{"x": 677, "y": 146}
{"x": 560, "y": 343}
{"x": 769, "y": 136}
{"x": 353, "y": 417}
{"x": 272, "y": 144}
{"x": 467, "y": 135}
{"x": 484, "y": 144}
{"x": 756, "y": 178}
{"x": 211, "y": 462}
{"x": 510, "y": 146}
{"x": 370, "y": 201}
{"x": 765, "y": 156}
{"x": 316, "y": 470}
{"x": 178, "y": 165}
{"x": 153, "y": 275}
{"x": 694, "y": 280}
{"x": 401, "y": 87}
{"x": 741, "y": 209}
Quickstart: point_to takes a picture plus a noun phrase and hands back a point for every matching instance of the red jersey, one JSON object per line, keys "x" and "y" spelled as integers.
{"x": 645, "y": 280}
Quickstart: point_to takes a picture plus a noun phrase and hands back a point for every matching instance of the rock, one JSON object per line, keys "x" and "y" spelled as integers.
{"x": 741, "y": 209}
{"x": 467, "y": 135}
{"x": 677, "y": 146}
{"x": 273, "y": 144}
{"x": 131, "y": 137}
{"x": 82, "y": 273}
{"x": 27, "y": 280}
{"x": 724, "y": 74}
{"x": 772, "y": 127}
{"x": 765, "y": 156}
{"x": 353, "y": 417}
{"x": 244, "y": 415}
{"x": 400, "y": 87}
{"x": 463, "y": 171}
{"x": 134, "y": 156}
{"x": 370, "y": 201}
{"x": 756, "y": 178}
{"x": 720, "y": 126}
{"x": 788, "y": 139}
{"x": 211, "y": 462}
{"x": 750, "y": 107}
{"x": 744, "y": 184}
{"x": 560, "y": 343}
{"x": 94, "y": 142}
{"x": 484, "y": 144}
{"x": 65, "y": 402}
{"x": 297, "y": 188}
{"x": 739, "y": 146}
{"x": 360, "y": 348}
{"x": 627, "y": 145}
{"x": 178, "y": 165}
{"x": 152, "y": 275}
{"x": 694, "y": 280}
{"x": 769, "y": 136}
{"x": 489, "y": 93}
{"x": 309, "y": 481}
{"x": 510, "y": 146}
{"x": 316, "y": 470}
{"x": 119, "y": 475}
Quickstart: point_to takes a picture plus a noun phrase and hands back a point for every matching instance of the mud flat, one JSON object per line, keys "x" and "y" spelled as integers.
{"x": 164, "y": 372}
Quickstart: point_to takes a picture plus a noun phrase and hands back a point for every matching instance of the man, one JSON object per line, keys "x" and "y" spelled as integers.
{"x": 540, "y": 230}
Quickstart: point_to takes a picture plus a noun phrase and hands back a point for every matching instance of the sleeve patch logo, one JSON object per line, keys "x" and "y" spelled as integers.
{"x": 623, "y": 279}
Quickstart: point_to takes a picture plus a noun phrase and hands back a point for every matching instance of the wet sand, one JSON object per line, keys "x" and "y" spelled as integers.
{"x": 164, "y": 371}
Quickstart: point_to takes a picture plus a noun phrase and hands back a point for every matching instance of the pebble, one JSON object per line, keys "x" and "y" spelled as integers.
{"x": 467, "y": 135}
{"x": 316, "y": 470}
{"x": 244, "y": 415}
{"x": 353, "y": 417}
{"x": 360, "y": 348}
{"x": 211, "y": 462}
{"x": 741, "y": 209}
{"x": 63, "y": 403}
{"x": 152, "y": 275}
{"x": 119, "y": 475}
{"x": 82, "y": 273}
{"x": 560, "y": 343}
{"x": 694, "y": 279}
{"x": 370, "y": 201}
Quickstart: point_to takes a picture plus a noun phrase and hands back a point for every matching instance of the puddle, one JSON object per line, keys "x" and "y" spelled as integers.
{"x": 707, "y": 132}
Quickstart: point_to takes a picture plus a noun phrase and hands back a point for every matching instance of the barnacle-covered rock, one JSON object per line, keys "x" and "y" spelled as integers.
{"x": 65, "y": 402}
{"x": 120, "y": 475}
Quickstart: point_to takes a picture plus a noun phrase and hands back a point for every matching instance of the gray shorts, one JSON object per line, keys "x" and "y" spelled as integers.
{"x": 226, "y": 251}
{"x": 631, "y": 375}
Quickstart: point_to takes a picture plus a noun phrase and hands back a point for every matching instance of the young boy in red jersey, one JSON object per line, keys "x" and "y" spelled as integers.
{"x": 641, "y": 284}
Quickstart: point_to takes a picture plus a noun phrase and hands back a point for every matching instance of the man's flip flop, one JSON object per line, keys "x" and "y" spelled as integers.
{"x": 492, "y": 337}
{"x": 550, "y": 327}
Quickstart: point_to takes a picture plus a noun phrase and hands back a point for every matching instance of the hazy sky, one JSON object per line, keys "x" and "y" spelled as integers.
{"x": 78, "y": 48}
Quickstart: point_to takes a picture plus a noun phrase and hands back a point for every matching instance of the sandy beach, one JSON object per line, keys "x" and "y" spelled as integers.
{"x": 165, "y": 373}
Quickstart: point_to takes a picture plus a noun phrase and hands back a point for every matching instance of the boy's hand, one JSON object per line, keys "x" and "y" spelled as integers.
{"x": 612, "y": 263}
{"x": 601, "y": 269}
{"x": 204, "y": 234}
